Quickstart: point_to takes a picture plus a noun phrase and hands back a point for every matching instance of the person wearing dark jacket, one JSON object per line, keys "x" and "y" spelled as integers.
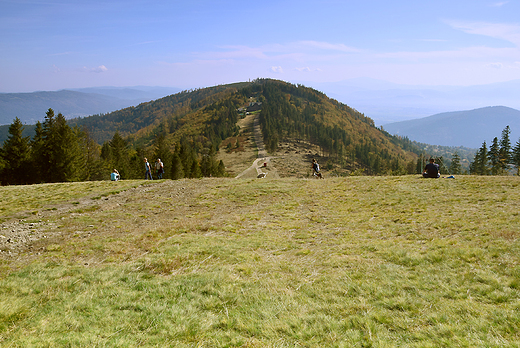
{"x": 431, "y": 170}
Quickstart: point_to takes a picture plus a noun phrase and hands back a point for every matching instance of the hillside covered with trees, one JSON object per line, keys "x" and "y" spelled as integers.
{"x": 186, "y": 130}
{"x": 498, "y": 158}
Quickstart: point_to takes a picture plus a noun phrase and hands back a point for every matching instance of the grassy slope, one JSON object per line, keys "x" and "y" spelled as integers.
{"x": 360, "y": 261}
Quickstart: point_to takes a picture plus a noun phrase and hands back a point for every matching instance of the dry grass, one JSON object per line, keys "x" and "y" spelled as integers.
{"x": 359, "y": 261}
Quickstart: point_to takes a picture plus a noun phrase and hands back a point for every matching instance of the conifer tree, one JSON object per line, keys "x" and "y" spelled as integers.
{"x": 221, "y": 169}
{"x": 67, "y": 152}
{"x": 505, "y": 149}
{"x": 48, "y": 142}
{"x": 177, "y": 171}
{"x": 16, "y": 155}
{"x": 515, "y": 157}
{"x": 494, "y": 157}
{"x": 163, "y": 152}
{"x": 57, "y": 150}
{"x": 195, "y": 171}
{"x": 455, "y": 167}
{"x": 187, "y": 155}
{"x": 93, "y": 163}
{"x": 479, "y": 166}
{"x": 37, "y": 160}
{"x": 118, "y": 153}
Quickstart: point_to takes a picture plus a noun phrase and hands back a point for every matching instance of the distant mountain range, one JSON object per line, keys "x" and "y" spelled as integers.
{"x": 386, "y": 102}
{"x": 31, "y": 107}
{"x": 461, "y": 128}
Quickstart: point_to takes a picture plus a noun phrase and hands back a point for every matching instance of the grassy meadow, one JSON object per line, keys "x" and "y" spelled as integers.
{"x": 340, "y": 262}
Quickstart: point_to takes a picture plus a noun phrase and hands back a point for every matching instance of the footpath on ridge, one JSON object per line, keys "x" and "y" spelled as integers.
{"x": 262, "y": 157}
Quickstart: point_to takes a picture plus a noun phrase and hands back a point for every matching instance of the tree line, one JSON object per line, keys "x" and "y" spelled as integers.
{"x": 496, "y": 159}
{"x": 290, "y": 111}
{"x": 61, "y": 153}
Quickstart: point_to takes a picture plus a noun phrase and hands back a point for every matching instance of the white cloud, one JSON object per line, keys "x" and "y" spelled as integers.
{"x": 98, "y": 69}
{"x": 277, "y": 69}
{"x": 503, "y": 31}
{"x": 307, "y": 69}
{"x": 499, "y": 4}
{"x": 327, "y": 46}
{"x": 496, "y": 65}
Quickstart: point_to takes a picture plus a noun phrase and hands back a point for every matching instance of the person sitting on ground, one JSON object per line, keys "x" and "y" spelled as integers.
{"x": 432, "y": 170}
{"x": 316, "y": 168}
{"x": 114, "y": 176}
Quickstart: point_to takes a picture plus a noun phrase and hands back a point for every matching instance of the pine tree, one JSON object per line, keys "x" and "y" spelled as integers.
{"x": 455, "y": 167}
{"x": 515, "y": 157}
{"x": 91, "y": 153}
{"x": 221, "y": 169}
{"x": 16, "y": 155}
{"x": 47, "y": 157}
{"x": 505, "y": 149}
{"x": 56, "y": 150}
{"x": 68, "y": 156}
{"x": 37, "y": 159}
{"x": 187, "y": 155}
{"x": 177, "y": 171}
{"x": 479, "y": 166}
{"x": 494, "y": 157}
{"x": 195, "y": 171}
{"x": 118, "y": 154}
{"x": 162, "y": 151}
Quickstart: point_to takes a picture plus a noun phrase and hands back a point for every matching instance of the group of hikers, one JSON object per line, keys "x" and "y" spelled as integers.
{"x": 432, "y": 170}
{"x": 159, "y": 170}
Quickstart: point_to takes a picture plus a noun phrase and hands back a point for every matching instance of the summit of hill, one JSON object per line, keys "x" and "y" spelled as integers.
{"x": 219, "y": 130}
{"x": 294, "y": 119}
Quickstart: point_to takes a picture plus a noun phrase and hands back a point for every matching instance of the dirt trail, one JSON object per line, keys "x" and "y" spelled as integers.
{"x": 263, "y": 159}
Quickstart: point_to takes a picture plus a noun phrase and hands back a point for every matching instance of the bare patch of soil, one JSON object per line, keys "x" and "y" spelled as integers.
{"x": 292, "y": 159}
{"x": 21, "y": 240}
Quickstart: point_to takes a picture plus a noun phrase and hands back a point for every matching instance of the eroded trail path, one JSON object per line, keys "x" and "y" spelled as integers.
{"x": 262, "y": 157}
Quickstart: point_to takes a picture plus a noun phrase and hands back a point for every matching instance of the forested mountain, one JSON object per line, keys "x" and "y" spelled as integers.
{"x": 186, "y": 130}
{"x": 460, "y": 128}
{"x": 30, "y": 107}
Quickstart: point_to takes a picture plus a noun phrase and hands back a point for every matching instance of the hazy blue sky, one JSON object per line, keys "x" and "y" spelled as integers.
{"x": 56, "y": 44}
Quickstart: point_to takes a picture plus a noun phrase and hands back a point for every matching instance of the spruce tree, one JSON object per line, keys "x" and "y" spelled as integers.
{"x": 118, "y": 154}
{"x": 177, "y": 171}
{"x": 479, "y": 166}
{"x": 187, "y": 155}
{"x": 505, "y": 149}
{"x": 16, "y": 155}
{"x": 163, "y": 152}
{"x": 37, "y": 151}
{"x": 221, "y": 169}
{"x": 515, "y": 157}
{"x": 68, "y": 155}
{"x": 48, "y": 142}
{"x": 494, "y": 157}
{"x": 93, "y": 162}
{"x": 195, "y": 171}
{"x": 455, "y": 167}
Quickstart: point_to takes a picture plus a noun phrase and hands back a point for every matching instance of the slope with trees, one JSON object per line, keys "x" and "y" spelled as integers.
{"x": 186, "y": 131}
{"x": 499, "y": 158}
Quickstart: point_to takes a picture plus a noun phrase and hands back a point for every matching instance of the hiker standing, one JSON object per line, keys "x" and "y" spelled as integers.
{"x": 148, "y": 169}
{"x": 159, "y": 167}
